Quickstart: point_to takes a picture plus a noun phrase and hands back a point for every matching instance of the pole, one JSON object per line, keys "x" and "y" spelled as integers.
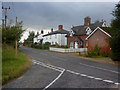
{"x": 16, "y": 48}
{"x": 2, "y": 23}
{"x": 16, "y": 40}
{"x": 5, "y": 17}
{"x": 16, "y": 21}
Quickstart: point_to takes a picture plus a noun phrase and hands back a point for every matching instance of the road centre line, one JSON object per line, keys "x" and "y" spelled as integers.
{"x": 99, "y": 68}
{"x": 62, "y": 70}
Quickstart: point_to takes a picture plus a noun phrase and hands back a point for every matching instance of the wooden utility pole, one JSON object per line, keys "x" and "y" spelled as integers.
{"x": 2, "y": 23}
{"x": 16, "y": 21}
{"x": 16, "y": 40}
{"x": 5, "y": 15}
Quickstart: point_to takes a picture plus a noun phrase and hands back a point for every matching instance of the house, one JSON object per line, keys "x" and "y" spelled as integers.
{"x": 89, "y": 35}
{"x": 39, "y": 37}
{"x": 56, "y": 37}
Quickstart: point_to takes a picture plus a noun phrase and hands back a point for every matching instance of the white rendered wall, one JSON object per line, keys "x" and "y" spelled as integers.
{"x": 60, "y": 39}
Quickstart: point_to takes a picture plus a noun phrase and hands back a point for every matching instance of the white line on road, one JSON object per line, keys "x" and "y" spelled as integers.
{"x": 99, "y": 68}
{"x": 73, "y": 72}
{"x": 98, "y": 78}
{"x": 54, "y": 80}
{"x": 70, "y": 71}
{"x": 109, "y": 81}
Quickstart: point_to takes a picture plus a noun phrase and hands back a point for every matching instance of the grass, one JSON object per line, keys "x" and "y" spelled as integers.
{"x": 13, "y": 67}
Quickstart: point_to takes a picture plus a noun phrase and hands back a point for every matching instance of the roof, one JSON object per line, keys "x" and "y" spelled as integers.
{"x": 98, "y": 28}
{"x": 62, "y": 31}
{"x": 81, "y": 30}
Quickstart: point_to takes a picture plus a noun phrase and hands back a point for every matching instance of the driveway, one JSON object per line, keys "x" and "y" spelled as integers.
{"x": 54, "y": 70}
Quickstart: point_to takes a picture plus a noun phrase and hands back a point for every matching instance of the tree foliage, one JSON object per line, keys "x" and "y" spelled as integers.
{"x": 115, "y": 41}
{"x": 30, "y": 38}
{"x": 12, "y": 33}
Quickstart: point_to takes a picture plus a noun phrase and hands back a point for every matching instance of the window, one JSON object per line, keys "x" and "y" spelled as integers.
{"x": 81, "y": 43}
{"x": 55, "y": 36}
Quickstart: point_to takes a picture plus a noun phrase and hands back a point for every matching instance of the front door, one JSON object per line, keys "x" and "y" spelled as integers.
{"x": 76, "y": 44}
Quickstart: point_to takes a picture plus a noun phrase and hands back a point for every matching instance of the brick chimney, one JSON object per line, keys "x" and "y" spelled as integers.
{"x": 51, "y": 29}
{"x": 37, "y": 33}
{"x": 87, "y": 21}
{"x": 42, "y": 32}
{"x": 60, "y": 27}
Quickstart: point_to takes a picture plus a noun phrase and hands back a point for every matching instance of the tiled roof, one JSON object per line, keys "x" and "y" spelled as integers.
{"x": 81, "y": 30}
{"x": 62, "y": 31}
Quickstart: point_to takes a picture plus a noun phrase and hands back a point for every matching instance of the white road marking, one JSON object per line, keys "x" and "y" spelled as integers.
{"x": 99, "y": 68}
{"x": 98, "y": 78}
{"x": 109, "y": 81}
{"x": 62, "y": 70}
{"x": 73, "y": 72}
{"x": 83, "y": 75}
{"x": 117, "y": 83}
{"x": 90, "y": 76}
{"x": 54, "y": 80}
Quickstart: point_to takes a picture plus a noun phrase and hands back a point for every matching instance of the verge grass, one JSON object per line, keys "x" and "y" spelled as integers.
{"x": 13, "y": 67}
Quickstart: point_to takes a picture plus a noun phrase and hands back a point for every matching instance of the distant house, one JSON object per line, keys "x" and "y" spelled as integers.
{"x": 39, "y": 37}
{"x": 89, "y": 35}
{"x": 56, "y": 37}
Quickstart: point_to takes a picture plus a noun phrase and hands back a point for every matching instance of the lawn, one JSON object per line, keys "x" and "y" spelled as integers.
{"x": 13, "y": 67}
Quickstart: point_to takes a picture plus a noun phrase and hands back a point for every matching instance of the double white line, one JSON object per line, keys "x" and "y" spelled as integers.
{"x": 62, "y": 70}
{"x": 59, "y": 69}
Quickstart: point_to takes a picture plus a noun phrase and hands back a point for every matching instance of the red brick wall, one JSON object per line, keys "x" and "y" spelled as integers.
{"x": 83, "y": 37}
{"x": 70, "y": 39}
{"x": 101, "y": 39}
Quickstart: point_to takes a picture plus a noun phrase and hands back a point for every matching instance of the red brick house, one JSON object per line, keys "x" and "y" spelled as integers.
{"x": 88, "y": 36}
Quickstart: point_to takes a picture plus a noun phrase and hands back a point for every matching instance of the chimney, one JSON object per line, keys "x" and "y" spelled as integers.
{"x": 51, "y": 29}
{"x": 60, "y": 27}
{"x": 87, "y": 21}
{"x": 42, "y": 32}
{"x": 37, "y": 33}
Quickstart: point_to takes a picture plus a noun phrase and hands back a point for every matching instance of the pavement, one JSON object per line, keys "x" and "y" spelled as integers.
{"x": 54, "y": 70}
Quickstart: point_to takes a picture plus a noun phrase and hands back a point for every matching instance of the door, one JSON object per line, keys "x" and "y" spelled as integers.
{"x": 76, "y": 44}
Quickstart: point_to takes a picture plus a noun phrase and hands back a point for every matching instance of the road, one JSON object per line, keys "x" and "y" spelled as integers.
{"x": 54, "y": 70}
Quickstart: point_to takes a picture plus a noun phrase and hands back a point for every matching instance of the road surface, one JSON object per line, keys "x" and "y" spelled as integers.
{"x": 54, "y": 70}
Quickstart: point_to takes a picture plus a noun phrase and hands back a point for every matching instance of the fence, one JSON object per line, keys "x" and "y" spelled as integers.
{"x": 68, "y": 49}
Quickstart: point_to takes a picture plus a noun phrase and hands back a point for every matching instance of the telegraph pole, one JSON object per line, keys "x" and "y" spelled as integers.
{"x": 16, "y": 40}
{"x": 5, "y": 15}
{"x": 2, "y": 23}
{"x": 16, "y": 21}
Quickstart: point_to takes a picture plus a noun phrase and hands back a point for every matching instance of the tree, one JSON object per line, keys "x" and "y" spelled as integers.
{"x": 12, "y": 33}
{"x": 115, "y": 41}
{"x": 30, "y": 38}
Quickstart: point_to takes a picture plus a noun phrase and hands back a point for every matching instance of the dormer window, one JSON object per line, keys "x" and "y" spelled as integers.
{"x": 71, "y": 33}
{"x": 88, "y": 31}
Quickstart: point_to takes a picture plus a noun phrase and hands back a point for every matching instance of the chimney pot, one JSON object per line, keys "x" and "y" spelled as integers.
{"x": 37, "y": 33}
{"x": 60, "y": 27}
{"x": 51, "y": 29}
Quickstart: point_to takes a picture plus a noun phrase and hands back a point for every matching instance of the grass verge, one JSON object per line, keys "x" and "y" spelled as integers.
{"x": 13, "y": 67}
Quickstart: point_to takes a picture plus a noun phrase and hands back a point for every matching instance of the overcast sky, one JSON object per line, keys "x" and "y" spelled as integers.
{"x": 47, "y": 15}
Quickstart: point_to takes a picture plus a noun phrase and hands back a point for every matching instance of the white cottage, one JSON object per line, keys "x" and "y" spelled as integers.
{"x": 56, "y": 37}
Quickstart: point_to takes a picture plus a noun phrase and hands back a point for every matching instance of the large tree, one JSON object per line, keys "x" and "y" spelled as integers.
{"x": 115, "y": 41}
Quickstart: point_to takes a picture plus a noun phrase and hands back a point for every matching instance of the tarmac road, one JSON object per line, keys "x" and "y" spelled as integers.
{"x": 54, "y": 70}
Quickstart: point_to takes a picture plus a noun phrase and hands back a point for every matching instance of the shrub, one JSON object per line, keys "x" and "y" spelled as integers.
{"x": 94, "y": 52}
{"x": 46, "y": 45}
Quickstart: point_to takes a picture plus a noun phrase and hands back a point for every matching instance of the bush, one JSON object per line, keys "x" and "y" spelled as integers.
{"x": 95, "y": 52}
{"x": 41, "y": 46}
{"x": 46, "y": 45}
